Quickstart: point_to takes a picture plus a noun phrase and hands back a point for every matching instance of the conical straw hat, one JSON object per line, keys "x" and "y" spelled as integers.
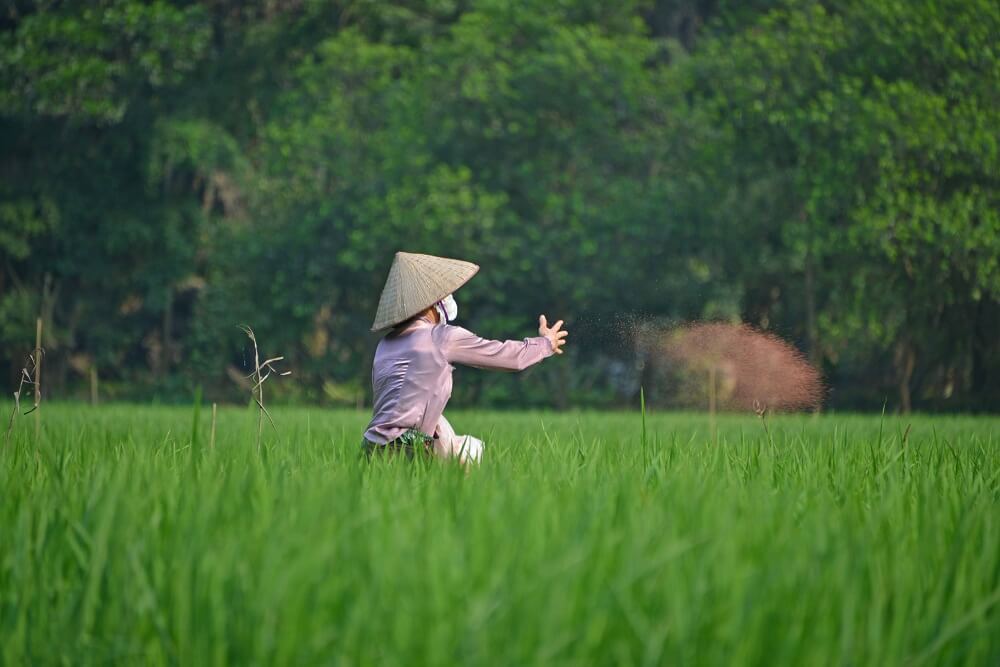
{"x": 415, "y": 283}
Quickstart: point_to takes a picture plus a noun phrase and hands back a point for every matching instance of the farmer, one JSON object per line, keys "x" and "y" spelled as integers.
{"x": 411, "y": 374}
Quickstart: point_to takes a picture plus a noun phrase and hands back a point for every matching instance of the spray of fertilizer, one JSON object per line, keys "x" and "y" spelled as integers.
{"x": 729, "y": 367}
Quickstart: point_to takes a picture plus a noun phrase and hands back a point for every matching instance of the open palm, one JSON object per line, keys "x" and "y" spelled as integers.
{"x": 555, "y": 333}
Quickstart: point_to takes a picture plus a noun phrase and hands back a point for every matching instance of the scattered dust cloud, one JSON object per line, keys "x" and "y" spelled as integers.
{"x": 729, "y": 366}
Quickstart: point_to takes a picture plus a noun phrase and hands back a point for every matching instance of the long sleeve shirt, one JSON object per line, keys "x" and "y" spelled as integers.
{"x": 411, "y": 375}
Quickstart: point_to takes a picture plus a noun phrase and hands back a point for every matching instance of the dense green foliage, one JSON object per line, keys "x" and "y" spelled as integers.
{"x": 828, "y": 171}
{"x": 128, "y": 539}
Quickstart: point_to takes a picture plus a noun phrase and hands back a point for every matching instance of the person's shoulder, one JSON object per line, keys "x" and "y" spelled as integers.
{"x": 449, "y": 332}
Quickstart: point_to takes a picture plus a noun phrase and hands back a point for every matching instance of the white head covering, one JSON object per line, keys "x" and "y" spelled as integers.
{"x": 447, "y": 308}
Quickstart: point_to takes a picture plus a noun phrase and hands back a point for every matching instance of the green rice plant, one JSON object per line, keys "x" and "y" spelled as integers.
{"x": 122, "y": 543}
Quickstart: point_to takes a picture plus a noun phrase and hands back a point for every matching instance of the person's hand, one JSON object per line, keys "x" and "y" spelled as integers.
{"x": 555, "y": 334}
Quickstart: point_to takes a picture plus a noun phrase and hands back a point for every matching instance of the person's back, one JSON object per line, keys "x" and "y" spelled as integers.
{"x": 411, "y": 373}
{"x": 411, "y": 382}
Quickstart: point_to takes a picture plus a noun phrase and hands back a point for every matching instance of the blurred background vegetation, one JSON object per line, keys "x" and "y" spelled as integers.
{"x": 827, "y": 171}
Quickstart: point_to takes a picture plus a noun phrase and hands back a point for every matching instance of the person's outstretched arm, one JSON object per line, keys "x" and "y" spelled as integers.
{"x": 461, "y": 346}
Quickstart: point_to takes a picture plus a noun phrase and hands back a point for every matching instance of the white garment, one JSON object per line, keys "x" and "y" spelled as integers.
{"x": 448, "y": 308}
{"x": 447, "y": 443}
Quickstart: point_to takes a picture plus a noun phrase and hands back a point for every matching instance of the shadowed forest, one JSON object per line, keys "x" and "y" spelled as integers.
{"x": 826, "y": 172}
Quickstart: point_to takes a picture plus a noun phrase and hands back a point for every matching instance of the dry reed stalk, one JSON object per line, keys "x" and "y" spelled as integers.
{"x": 38, "y": 379}
{"x": 760, "y": 409}
{"x": 29, "y": 376}
{"x": 262, "y": 371}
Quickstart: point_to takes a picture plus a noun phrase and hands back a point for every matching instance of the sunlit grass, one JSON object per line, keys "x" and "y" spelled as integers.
{"x": 836, "y": 540}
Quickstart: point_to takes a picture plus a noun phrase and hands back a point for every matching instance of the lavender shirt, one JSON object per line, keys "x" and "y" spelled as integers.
{"x": 411, "y": 374}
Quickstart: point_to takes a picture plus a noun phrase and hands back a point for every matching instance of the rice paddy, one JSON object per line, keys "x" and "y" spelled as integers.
{"x": 129, "y": 535}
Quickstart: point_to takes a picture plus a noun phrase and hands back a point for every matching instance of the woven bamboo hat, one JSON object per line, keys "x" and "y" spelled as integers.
{"x": 415, "y": 283}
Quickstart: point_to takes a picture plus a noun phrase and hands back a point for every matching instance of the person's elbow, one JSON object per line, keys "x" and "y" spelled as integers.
{"x": 523, "y": 362}
{"x": 526, "y": 359}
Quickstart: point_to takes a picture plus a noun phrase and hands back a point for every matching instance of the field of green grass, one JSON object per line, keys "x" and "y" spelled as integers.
{"x": 125, "y": 538}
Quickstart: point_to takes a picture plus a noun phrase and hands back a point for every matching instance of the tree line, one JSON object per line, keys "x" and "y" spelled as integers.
{"x": 825, "y": 171}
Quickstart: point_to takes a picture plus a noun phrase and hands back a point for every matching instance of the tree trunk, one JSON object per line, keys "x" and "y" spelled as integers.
{"x": 905, "y": 362}
{"x": 54, "y": 362}
{"x": 980, "y": 343}
{"x": 168, "y": 326}
{"x": 38, "y": 377}
{"x": 812, "y": 330}
{"x": 93, "y": 383}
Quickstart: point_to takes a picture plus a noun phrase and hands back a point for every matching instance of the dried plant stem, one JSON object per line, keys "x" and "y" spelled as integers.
{"x": 261, "y": 371}
{"x": 29, "y": 376}
{"x": 38, "y": 378}
{"x": 761, "y": 409}
{"x": 258, "y": 385}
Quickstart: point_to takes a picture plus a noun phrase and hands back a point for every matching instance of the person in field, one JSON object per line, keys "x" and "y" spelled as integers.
{"x": 411, "y": 374}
